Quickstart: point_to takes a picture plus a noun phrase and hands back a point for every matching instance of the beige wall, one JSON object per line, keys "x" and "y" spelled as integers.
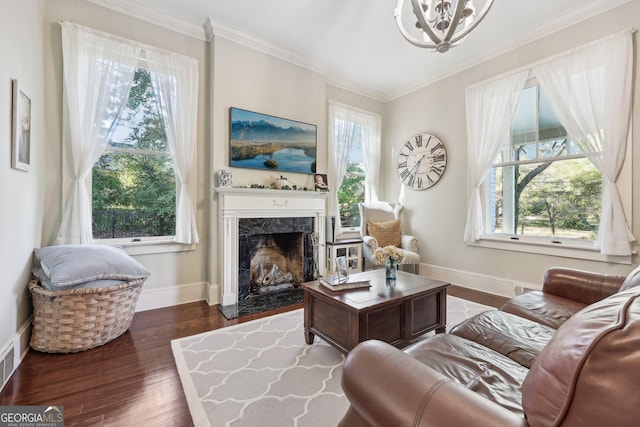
{"x": 248, "y": 79}
{"x": 21, "y": 49}
{"x": 437, "y": 215}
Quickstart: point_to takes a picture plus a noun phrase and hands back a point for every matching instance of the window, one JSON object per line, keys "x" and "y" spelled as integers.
{"x": 354, "y": 163}
{"x": 133, "y": 182}
{"x": 542, "y": 186}
{"x": 353, "y": 188}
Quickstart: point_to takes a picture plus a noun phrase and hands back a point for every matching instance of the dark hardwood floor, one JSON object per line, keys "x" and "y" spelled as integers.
{"x": 133, "y": 380}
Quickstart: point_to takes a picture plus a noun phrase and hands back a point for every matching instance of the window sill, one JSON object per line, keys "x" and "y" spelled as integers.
{"x": 564, "y": 250}
{"x": 149, "y": 247}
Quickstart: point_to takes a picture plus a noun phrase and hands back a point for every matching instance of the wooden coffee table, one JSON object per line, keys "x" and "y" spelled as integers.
{"x": 392, "y": 311}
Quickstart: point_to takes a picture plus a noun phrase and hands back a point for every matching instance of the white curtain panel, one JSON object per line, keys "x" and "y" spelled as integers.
{"x": 590, "y": 90}
{"x": 98, "y": 72}
{"x": 342, "y": 123}
{"x": 489, "y": 107}
{"x": 175, "y": 82}
{"x": 371, "y": 125}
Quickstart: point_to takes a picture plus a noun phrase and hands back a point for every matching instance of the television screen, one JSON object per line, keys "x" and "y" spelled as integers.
{"x": 261, "y": 141}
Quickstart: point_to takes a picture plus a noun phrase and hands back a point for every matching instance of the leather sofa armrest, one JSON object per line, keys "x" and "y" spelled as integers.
{"x": 582, "y": 286}
{"x": 386, "y": 387}
{"x": 409, "y": 243}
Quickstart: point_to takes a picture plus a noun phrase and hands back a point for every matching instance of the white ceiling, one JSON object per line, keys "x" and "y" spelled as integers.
{"x": 356, "y": 43}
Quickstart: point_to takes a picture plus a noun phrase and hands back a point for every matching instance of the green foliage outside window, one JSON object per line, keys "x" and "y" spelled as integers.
{"x": 350, "y": 193}
{"x": 134, "y": 188}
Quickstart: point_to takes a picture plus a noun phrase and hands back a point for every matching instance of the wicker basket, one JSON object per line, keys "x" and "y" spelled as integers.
{"x": 79, "y": 319}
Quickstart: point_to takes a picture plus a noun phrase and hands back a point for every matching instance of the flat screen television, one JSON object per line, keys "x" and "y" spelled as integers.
{"x": 261, "y": 141}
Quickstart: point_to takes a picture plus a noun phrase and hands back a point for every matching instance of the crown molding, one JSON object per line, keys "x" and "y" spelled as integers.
{"x": 216, "y": 29}
{"x": 144, "y": 13}
{"x": 550, "y": 27}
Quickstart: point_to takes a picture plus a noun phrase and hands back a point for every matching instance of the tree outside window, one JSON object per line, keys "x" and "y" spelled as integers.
{"x": 542, "y": 185}
{"x": 134, "y": 187}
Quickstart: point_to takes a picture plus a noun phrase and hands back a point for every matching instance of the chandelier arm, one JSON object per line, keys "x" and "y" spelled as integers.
{"x": 479, "y": 17}
{"x": 419, "y": 43}
{"x": 455, "y": 21}
{"x": 417, "y": 11}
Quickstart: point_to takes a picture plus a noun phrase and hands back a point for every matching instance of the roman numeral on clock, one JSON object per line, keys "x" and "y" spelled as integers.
{"x": 405, "y": 173}
{"x": 419, "y": 140}
{"x": 438, "y": 158}
{"x": 436, "y": 169}
{"x": 438, "y": 146}
{"x": 402, "y": 164}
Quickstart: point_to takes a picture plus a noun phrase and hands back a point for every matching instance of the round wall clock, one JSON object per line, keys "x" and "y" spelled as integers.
{"x": 422, "y": 161}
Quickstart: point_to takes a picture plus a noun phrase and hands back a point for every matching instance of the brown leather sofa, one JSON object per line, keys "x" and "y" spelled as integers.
{"x": 568, "y": 355}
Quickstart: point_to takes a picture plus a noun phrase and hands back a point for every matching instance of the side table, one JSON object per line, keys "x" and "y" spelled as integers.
{"x": 349, "y": 248}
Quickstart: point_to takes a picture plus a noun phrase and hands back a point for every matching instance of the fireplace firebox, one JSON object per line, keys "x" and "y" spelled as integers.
{"x": 274, "y": 255}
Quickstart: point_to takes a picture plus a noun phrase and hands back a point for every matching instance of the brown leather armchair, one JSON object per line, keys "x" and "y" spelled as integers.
{"x": 501, "y": 369}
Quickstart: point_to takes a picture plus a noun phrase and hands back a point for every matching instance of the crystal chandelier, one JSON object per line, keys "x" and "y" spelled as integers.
{"x": 443, "y": 23}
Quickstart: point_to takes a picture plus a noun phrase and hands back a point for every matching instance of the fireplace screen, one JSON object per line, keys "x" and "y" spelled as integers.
{"x": 275, "y": 254}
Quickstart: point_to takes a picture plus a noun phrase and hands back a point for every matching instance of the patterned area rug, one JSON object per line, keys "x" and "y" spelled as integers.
{"x": 262, "y": 373}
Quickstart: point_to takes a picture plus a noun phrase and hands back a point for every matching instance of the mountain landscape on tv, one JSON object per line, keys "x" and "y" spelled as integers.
{"x": 272, "y": 143}
{"x": 264, "y": 131}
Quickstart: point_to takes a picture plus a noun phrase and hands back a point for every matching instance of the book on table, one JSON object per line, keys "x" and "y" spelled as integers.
{"x": 335, "y": 284}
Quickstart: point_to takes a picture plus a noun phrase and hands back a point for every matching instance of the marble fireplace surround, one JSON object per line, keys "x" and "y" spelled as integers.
{"x": 237, "y": 203}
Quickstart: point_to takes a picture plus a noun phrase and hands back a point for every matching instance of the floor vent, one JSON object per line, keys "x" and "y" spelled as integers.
{"x": 6, "y": 366}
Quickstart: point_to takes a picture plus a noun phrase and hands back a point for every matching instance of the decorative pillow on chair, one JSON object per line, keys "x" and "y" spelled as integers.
{"x": 68, "y": 265}
{"x": 385, "y": 232}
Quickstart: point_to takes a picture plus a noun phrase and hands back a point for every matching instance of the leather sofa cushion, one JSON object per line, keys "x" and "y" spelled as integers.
{"x": 476, "y": 367}
{"x": 518, "y": 338}
{"x": 632, "y": 280}
{"x": 542, "y": 307}
{"x": 589, "y": 373}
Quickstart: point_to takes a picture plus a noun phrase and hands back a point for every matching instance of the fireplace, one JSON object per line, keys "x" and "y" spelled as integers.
{"x": 267, "y": 227}
{"x": 274, "y": 254}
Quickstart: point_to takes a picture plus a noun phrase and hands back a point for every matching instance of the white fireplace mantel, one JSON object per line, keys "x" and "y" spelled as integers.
{"x": 236, "y": 203}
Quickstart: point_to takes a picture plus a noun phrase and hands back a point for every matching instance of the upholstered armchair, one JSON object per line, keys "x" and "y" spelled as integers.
{"x": 380, "y": 226}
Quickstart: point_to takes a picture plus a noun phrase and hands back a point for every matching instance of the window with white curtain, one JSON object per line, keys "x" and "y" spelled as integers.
{"x": 541, "y": 185}
{"x": 549, "y": 163}
{"x": 354, "y": 162}
{"x": 129, "y": 140}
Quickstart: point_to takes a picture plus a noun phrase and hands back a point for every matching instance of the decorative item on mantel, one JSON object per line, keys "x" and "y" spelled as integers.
{"x": 389, "y": 256}
{"x": 281, "y": 183}
{"x": 441, "y": 24}
{"x": 225, "y": 178}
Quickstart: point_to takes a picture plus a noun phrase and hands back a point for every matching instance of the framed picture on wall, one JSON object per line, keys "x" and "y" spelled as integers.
{"x": 21, "y": 128}
{"x": 262, "y": 141}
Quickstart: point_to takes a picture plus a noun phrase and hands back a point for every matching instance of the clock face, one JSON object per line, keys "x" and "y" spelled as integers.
{"x": 421, "y": 161}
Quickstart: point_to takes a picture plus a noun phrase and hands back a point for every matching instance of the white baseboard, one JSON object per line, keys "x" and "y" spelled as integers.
{"x": 213, "y": 294}
{"x": 172, "y": 295}
{"x": 480, "y": 282}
